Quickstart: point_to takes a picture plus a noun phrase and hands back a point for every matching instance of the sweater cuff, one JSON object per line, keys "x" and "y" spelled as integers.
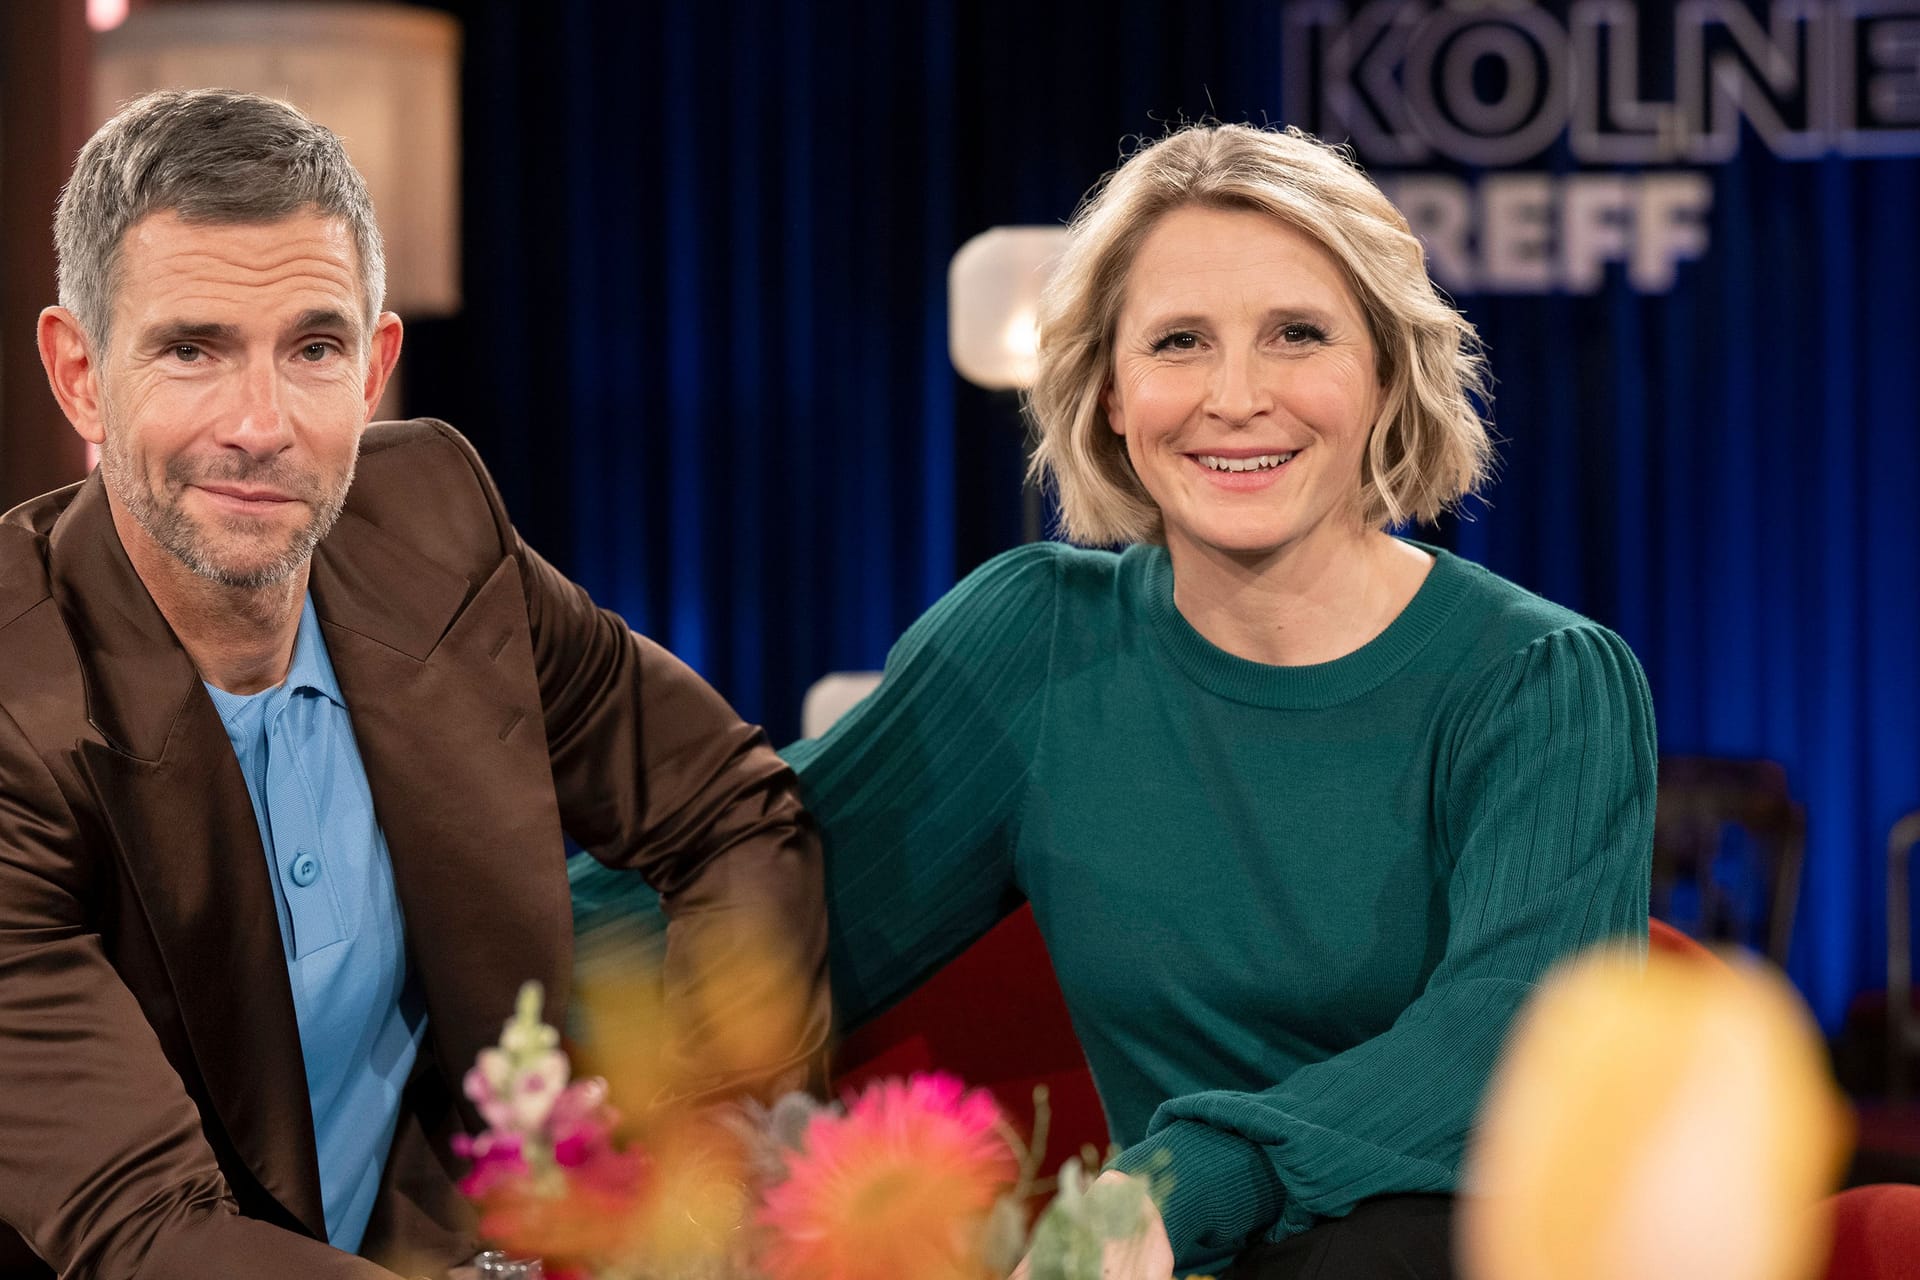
{"x": 1219, "y": 1189}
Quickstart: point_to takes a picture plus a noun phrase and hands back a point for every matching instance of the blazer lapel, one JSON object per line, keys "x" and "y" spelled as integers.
{"x": 166, "y": 781}
{"x": 439, "y": 680}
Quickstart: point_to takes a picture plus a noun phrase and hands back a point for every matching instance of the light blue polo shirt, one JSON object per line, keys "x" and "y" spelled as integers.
{"x": 360, "y": 1019}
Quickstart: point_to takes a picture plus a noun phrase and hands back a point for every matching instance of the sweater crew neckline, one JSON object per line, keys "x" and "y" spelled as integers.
{"x": 1316, "y": 685}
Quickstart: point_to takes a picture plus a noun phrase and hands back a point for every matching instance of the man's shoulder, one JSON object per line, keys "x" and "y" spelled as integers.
{"x": 41, "y": 689}
{"x": 422, "y": 483}
{"x": 25, "y": 580}
{"x": 419, "y": 454}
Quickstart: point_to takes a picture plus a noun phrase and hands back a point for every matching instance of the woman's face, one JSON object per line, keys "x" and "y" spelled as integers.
{"x": 1245, "y": 383}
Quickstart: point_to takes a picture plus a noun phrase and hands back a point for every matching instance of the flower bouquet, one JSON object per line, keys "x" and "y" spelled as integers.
{"x": 919, "y": 1178}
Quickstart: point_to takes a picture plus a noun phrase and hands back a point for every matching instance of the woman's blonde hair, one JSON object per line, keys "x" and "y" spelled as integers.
{"x": 1427, "y": 450}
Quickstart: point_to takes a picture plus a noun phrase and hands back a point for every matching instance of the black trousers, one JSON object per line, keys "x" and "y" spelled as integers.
{"x": 1386, "y": 1238}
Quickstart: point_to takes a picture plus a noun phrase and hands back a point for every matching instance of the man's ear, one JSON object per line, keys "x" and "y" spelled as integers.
{"x": 383, "y": 352}
{"x": 73, "y": 371}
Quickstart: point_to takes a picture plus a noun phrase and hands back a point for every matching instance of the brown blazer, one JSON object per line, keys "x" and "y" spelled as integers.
{"x": 153, "y": 1107}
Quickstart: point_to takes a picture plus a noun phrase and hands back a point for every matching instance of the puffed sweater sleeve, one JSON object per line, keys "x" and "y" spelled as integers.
{"x": 1544, "y": 799}
{"x": 917, "y": 790}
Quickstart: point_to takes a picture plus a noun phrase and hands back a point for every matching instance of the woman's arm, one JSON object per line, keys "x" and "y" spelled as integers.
{"x": 917, "y": 789}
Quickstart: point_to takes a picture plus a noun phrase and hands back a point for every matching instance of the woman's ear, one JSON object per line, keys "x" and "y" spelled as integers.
{"x": 1110, "y": 405}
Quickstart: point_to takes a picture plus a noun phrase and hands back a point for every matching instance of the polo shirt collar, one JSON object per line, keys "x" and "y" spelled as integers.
{"x": 311, "y": 669}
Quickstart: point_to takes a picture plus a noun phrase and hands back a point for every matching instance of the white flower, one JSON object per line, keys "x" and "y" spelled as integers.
{"x": 536, "y": 1086}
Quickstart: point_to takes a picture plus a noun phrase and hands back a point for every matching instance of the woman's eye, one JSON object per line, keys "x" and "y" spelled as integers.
{"x": 1303, "y": 333}
{"x": 1182, "y": 341}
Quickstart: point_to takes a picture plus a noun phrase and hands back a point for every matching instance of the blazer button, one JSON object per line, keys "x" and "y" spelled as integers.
{"x": 306, "y": 869}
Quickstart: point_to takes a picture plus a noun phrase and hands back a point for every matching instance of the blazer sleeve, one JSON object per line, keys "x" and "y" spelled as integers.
{"x": 1546, "y": 806}
{"x": 655, "y": 773}
{"x": 136, "y": 1191}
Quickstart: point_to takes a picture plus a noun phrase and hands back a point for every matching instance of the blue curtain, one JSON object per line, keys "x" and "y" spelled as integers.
{"x": 704, "y": 350}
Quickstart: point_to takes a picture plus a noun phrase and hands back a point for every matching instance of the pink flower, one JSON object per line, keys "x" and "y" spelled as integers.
{"x": 580, "y": 1122}
{"x": 516, "y": 1094}
{"x": 619, "y": 1175}
{"x": 576, "y": 1149}
{"x": 486, "y": 1084}
{"x": 497, "y": 1159}
{"x": 900, "y": 1186}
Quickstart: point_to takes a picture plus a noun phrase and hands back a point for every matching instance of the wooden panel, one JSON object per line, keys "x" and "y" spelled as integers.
{"x": 44, "y": 68}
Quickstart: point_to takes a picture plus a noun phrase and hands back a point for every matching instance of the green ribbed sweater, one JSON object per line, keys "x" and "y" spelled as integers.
{"x": 1292, "y": 909}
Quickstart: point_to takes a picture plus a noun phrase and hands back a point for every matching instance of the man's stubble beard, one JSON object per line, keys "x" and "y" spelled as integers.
{"x": 175, "y": 532}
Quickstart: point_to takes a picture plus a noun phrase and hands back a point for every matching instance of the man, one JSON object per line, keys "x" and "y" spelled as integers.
{"x": 286, "y": 754}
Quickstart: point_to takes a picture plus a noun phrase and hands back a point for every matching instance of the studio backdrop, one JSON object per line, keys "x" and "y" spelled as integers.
{"x": 704, "y": 342}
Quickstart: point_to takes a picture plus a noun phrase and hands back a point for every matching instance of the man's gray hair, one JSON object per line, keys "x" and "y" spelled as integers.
{"x": 207, "y": 156}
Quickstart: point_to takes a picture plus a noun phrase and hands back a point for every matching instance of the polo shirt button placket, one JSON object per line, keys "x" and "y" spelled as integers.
{"x": 305, "y": 869}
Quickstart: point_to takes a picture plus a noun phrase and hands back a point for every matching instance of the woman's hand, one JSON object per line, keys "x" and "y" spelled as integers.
{"x": 1148, "y": 1255}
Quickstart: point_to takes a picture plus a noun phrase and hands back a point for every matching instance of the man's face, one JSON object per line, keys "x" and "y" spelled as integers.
{"x": 234, "y": 389}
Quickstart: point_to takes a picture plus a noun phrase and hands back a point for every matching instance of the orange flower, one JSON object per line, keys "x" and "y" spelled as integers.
{"x": 900, "y": 1186}
{"x": 593, "y": 1212}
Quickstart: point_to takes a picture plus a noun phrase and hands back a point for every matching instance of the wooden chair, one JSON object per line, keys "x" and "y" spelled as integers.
{"x": 1702, "y": 798}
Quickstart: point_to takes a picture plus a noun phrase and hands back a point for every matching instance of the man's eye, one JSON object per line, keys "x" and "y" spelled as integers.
{"x": 315, "y": 352}
{"x": 186, "y": 353}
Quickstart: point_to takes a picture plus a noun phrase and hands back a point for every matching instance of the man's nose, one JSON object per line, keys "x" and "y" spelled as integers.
{"x": 258, "y": 423}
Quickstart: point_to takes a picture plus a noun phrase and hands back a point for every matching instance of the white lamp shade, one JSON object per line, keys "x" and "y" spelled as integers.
{"x": 385, "y": 77}
{"x": 993, "y": 297}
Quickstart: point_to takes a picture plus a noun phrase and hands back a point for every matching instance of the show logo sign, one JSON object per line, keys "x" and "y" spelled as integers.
{"x": 1645, "y": 98}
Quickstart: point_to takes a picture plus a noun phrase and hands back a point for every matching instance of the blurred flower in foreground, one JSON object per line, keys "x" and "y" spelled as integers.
{"x": 538, "y": 1119}
{"x": 546, "y": 1175}
{"x": 1089, "y": 1219}
{"x": 901, "y": 1185}
{"x": 917, "y": 1179}
{"x": 1671, "y": 1124}
{"x": 717, "y": 1020}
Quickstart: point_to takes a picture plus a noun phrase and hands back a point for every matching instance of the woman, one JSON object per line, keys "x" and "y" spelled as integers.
{"x": 1302, "y": 808}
